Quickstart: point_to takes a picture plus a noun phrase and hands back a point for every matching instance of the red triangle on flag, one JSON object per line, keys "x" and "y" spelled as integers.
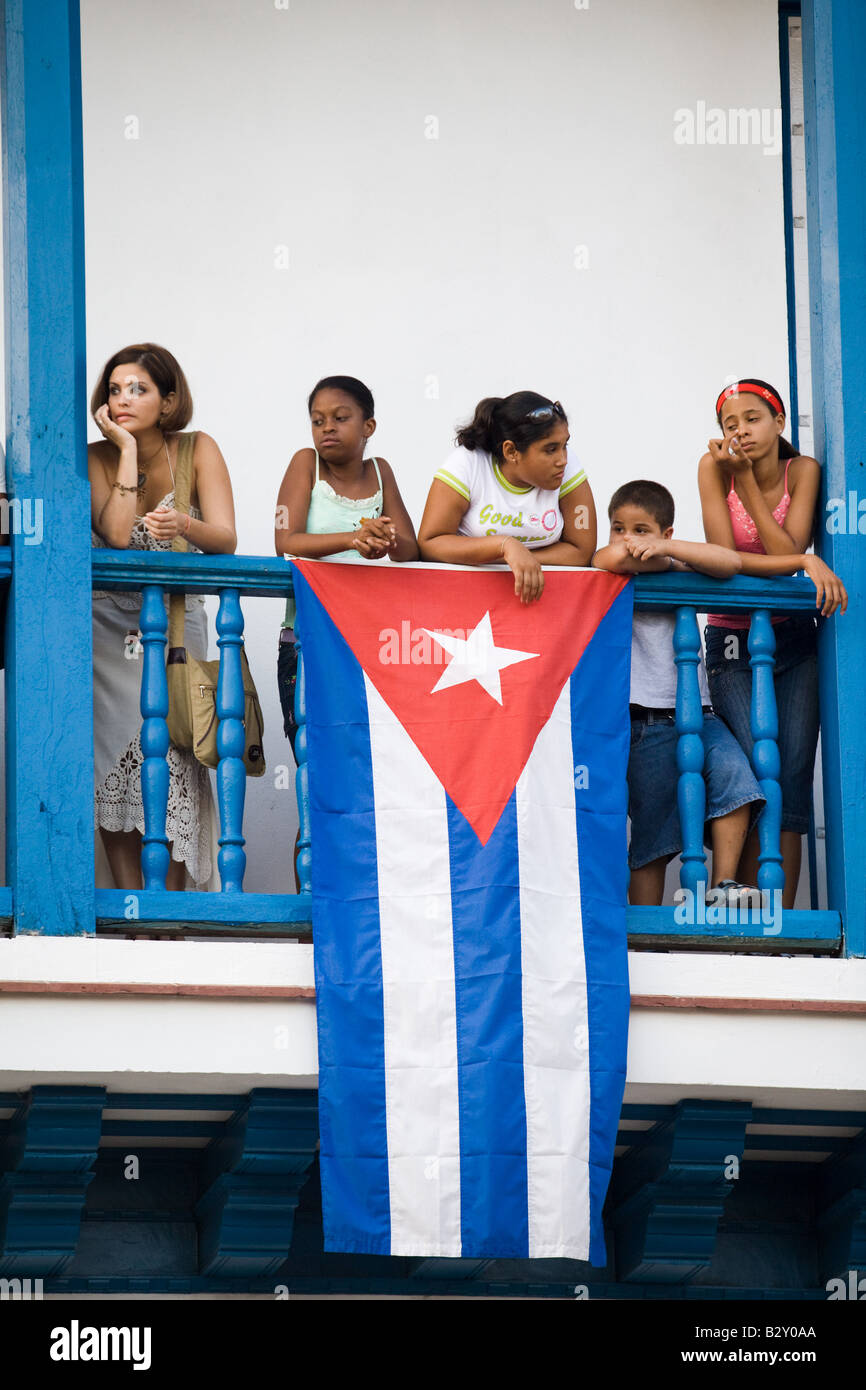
{"x": 475, "y": 703}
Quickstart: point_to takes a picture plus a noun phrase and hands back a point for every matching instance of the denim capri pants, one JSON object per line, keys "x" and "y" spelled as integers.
{"x": 653, "y": 777}
{"x": 796, "y": 683}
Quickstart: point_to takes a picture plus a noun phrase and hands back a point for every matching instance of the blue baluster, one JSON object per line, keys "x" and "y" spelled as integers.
{"x": 154, "y": 738}
{"x": 765, "y": 751}
{"x": 231, "y": 773}
{"x": 691, "y": 793}
{"x": 302, "y": 779}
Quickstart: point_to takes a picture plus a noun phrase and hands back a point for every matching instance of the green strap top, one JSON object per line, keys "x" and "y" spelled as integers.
{"x": 330, "y": 512}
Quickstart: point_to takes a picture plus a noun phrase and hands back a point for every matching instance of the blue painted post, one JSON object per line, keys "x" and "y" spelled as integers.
{"x": 765, "y": 751}
{"x": 231, "y": 773}
{"x": 834, "y": 42}
{"x": 691, "y": 793}
{"x": 302, "y": 779}
{"x": 154, "y": 738}
{"x": 788, "y": 218}
{"x": 49, "y": 692}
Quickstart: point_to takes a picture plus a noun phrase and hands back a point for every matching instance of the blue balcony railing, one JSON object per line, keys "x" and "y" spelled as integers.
{"x": 765, "y": 926}
{"x": 233, "y": 909}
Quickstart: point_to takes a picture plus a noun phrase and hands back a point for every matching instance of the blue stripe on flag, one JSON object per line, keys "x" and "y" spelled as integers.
{"x": 348, "y": 961}
{"x": 600, "y": 740}
{"x": 485, "y": 908}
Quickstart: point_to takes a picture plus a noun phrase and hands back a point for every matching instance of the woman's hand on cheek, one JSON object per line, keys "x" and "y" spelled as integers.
{"x": 729, "y": 455}
{"x": 111, "y": 430}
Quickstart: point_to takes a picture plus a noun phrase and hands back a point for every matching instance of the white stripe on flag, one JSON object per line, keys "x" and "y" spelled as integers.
{"x": 555, "y": 1028}
{"x": 418, "y": 987}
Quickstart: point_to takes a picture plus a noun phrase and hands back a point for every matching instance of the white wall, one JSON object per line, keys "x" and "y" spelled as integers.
{"x": 438, "y": 270}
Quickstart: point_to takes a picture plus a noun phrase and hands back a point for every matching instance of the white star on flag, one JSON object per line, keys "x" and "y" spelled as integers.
{"x": 477, "y": 658}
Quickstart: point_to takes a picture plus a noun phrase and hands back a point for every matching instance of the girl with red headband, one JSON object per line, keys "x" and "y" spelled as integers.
{"x": 759, "y": 496}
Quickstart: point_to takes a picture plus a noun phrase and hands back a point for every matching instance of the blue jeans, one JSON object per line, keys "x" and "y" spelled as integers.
{"x": 653, "y": 778}
{"x": 796, "y": 684}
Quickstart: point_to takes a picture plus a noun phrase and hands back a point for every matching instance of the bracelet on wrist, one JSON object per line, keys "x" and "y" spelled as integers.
{"x": 122, "y": 487}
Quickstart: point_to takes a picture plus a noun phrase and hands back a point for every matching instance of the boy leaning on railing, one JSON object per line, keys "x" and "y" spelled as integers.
{"x": 641, "y": 541}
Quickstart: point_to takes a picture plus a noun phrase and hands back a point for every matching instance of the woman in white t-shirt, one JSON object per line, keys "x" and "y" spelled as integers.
{"x": 511, "y": 492}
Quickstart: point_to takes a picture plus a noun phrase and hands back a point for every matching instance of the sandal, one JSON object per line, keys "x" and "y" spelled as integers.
{"x": 734, "y": 895}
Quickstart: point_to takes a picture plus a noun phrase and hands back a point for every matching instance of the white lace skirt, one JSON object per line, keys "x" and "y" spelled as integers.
{"x": 191, "y": 819}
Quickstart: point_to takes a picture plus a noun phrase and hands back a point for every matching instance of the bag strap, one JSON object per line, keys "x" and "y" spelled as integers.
{"x": 182, "y": 489}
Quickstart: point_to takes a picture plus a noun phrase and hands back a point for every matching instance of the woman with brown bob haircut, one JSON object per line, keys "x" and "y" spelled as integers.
{"x": 142, "y": 405}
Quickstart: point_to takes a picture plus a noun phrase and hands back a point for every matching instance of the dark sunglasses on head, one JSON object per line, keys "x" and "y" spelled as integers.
{"x": 547, "y": 412}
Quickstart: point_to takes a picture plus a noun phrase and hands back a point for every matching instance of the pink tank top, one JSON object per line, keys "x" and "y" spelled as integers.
{"x": 746, "y": 538}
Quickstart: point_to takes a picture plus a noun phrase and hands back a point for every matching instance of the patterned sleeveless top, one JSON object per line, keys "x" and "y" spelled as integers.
{"x": 141, "y": 539}
{"x": 330, "y": 512}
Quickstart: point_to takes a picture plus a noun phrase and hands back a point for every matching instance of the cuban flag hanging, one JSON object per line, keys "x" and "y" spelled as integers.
{"x": 467, "y": 760}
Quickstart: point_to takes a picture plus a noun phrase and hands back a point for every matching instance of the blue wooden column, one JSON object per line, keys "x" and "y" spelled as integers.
{"x": 155, "y": 854}
{"x": 231, "y": 772}
{"x": 691, "y": 789}
{"x": 49, "y": 712}
{"x": 834, "y": 45}
{"x": 765, "y": 751}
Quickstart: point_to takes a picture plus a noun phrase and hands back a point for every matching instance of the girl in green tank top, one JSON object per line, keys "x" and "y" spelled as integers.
{"x": 335, "y": 503}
